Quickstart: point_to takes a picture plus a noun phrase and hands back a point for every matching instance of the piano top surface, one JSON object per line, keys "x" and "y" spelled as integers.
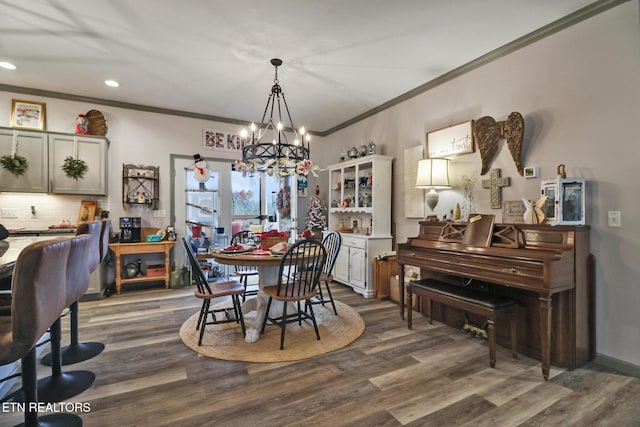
{"x": 544, "y": 260}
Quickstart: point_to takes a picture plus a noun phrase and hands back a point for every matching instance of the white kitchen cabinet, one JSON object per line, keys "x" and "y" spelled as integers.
{"x": 360, "y": 209}
{"x": 45, "y": 153}
{"x": 91, "y": 149}
{"x": 32, "y": 146}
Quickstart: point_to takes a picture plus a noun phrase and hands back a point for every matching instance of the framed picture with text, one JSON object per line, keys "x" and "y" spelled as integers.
{"x": 27, "y": 114}
{"x": 451, "y": 141}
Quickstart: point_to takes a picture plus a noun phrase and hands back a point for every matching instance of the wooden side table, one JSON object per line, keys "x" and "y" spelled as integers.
{"x": 120, "y": 249}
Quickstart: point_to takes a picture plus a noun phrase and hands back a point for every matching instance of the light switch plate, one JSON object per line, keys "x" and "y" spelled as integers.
{"x": 614, "y": 219}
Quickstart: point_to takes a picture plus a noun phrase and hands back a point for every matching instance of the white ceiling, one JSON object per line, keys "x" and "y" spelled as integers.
{"x": 342, "y": 58}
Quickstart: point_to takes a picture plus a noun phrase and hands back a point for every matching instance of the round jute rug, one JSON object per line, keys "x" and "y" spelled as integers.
{"x": 225, "y": 341}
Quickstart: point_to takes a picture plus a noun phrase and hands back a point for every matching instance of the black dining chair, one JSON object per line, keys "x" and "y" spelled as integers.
{"x": 243, "y": 272}
{"x": 298, "y": 281}
{"x": 331, "y": 242}
{"x": 208, "y": 291}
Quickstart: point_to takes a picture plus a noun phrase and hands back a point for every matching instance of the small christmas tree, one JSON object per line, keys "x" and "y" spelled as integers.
{"x": 315, "y": 214}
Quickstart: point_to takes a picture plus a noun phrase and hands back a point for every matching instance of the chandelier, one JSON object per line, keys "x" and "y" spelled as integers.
{"x": 268, "y": 149}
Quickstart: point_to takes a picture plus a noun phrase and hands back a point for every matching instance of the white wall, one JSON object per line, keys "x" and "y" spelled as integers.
{"x": 579, "y": 92}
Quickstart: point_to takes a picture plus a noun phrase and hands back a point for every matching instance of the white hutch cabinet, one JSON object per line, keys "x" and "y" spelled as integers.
{"x": 360, "y": 209}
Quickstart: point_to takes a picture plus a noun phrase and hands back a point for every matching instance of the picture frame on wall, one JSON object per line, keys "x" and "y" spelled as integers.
{"x": 87, "y": 211}
{"x": 451, "y": 141}
{"x": 27, "y": 114}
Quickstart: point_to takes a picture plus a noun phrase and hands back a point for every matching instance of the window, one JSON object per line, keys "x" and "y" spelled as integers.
{"x": 246, "y": 205}
{"x": 254, "y": 198}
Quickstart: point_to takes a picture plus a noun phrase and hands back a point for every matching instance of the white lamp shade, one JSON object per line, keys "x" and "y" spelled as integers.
{"x": 433, "y": 173}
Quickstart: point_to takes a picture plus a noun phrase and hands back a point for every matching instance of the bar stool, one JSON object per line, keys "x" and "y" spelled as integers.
{"x": 60, "y": 386}
{"x": 38, "y": 287}
{"x": 76, "y": 351}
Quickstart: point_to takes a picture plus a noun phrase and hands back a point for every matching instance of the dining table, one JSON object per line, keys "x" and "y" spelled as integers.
{"x": 268, "y": 265}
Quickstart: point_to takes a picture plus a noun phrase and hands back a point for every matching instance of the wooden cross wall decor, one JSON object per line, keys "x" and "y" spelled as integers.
{"x": 495, "y": 184}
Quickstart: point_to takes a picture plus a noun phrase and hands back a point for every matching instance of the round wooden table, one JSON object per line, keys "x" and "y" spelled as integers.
{"x": 268, "y": 266}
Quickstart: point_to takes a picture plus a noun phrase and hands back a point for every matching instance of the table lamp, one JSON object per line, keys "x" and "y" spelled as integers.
{"x": 433, "y": 174}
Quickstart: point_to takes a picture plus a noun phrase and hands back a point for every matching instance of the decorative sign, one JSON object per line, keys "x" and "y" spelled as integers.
{"x": 303, "y": 184}
{"x": 451, "y": 141}
{"x": 513, "y": 212}
{"x": 223, "y": 141}
{"x": 413, "y": 197}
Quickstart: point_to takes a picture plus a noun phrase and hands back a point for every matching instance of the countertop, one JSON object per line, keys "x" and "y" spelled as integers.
{"x": 40, "y": 232}
{"x": 11, "y": 247}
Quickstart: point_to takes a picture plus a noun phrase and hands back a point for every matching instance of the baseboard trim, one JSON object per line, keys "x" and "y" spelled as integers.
{"x": 618, "y": 365}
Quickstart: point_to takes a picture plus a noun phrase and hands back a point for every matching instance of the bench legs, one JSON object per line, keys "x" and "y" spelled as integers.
{"x": 491, "y": 333}
{"x": 491, "y": 337}
{"x": 409, "y": 304}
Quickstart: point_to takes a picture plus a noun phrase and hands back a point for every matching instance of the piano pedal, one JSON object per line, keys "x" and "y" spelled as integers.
{"x": 474, "y": 330}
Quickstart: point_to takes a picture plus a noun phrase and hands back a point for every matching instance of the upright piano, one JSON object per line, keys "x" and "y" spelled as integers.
{"x": 547, "y": 269}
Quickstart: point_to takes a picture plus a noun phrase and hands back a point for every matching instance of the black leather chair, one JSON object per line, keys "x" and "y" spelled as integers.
{"x": 38, "y": 298}
{"x": 298, "y": 280}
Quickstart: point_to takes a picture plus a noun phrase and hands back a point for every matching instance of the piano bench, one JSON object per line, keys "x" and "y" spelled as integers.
{"x": 468, "y": 300}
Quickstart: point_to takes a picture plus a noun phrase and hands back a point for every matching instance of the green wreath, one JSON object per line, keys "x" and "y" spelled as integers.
{"x": 74, "y": 168}
{"x": 17, "y": 164}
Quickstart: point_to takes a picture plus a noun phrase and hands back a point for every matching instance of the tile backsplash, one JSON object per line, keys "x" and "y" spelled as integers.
{"x": 39, "y": 211}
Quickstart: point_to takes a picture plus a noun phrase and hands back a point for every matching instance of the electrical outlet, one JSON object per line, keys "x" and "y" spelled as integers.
{"x": 615, "y": 219}
{"x": 9, "y": 213}
{"x": 160, "y": 213}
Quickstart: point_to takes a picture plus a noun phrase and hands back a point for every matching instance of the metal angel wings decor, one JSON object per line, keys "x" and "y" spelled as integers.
{"x": 487, "y": 134}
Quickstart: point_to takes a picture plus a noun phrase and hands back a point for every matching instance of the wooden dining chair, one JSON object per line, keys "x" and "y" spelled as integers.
{"x": 298, "y": 281}
{"x": 243, "y": 272}
{"x": 331, "y": 242}
{"x": 207, "y": 292}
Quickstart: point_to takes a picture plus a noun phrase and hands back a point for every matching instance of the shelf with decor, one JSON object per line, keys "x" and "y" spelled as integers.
{"x": 355, "y": 187}
{"x": 141, "y": 185}
{"x": 202, "y": 220}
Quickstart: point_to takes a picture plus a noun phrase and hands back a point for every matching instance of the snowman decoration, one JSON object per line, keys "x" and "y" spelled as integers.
{"x": 200, "y": 170}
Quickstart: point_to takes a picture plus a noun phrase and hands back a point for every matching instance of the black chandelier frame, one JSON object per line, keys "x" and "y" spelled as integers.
{"x": 263, "y": 155}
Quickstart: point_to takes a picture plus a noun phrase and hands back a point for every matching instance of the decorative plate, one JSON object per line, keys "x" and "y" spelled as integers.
{"x": 236, "y": 251}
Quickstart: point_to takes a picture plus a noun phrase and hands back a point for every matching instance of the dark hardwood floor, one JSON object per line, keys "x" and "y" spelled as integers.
{"x": 430, "y": 376}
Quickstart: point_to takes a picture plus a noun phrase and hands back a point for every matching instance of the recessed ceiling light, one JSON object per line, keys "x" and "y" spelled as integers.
{"x": 7, "y": 65}
{"x": 111, "y": 83}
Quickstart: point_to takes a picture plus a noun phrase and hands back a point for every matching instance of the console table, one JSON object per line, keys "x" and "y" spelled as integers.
{"x": 120, "y": 249}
